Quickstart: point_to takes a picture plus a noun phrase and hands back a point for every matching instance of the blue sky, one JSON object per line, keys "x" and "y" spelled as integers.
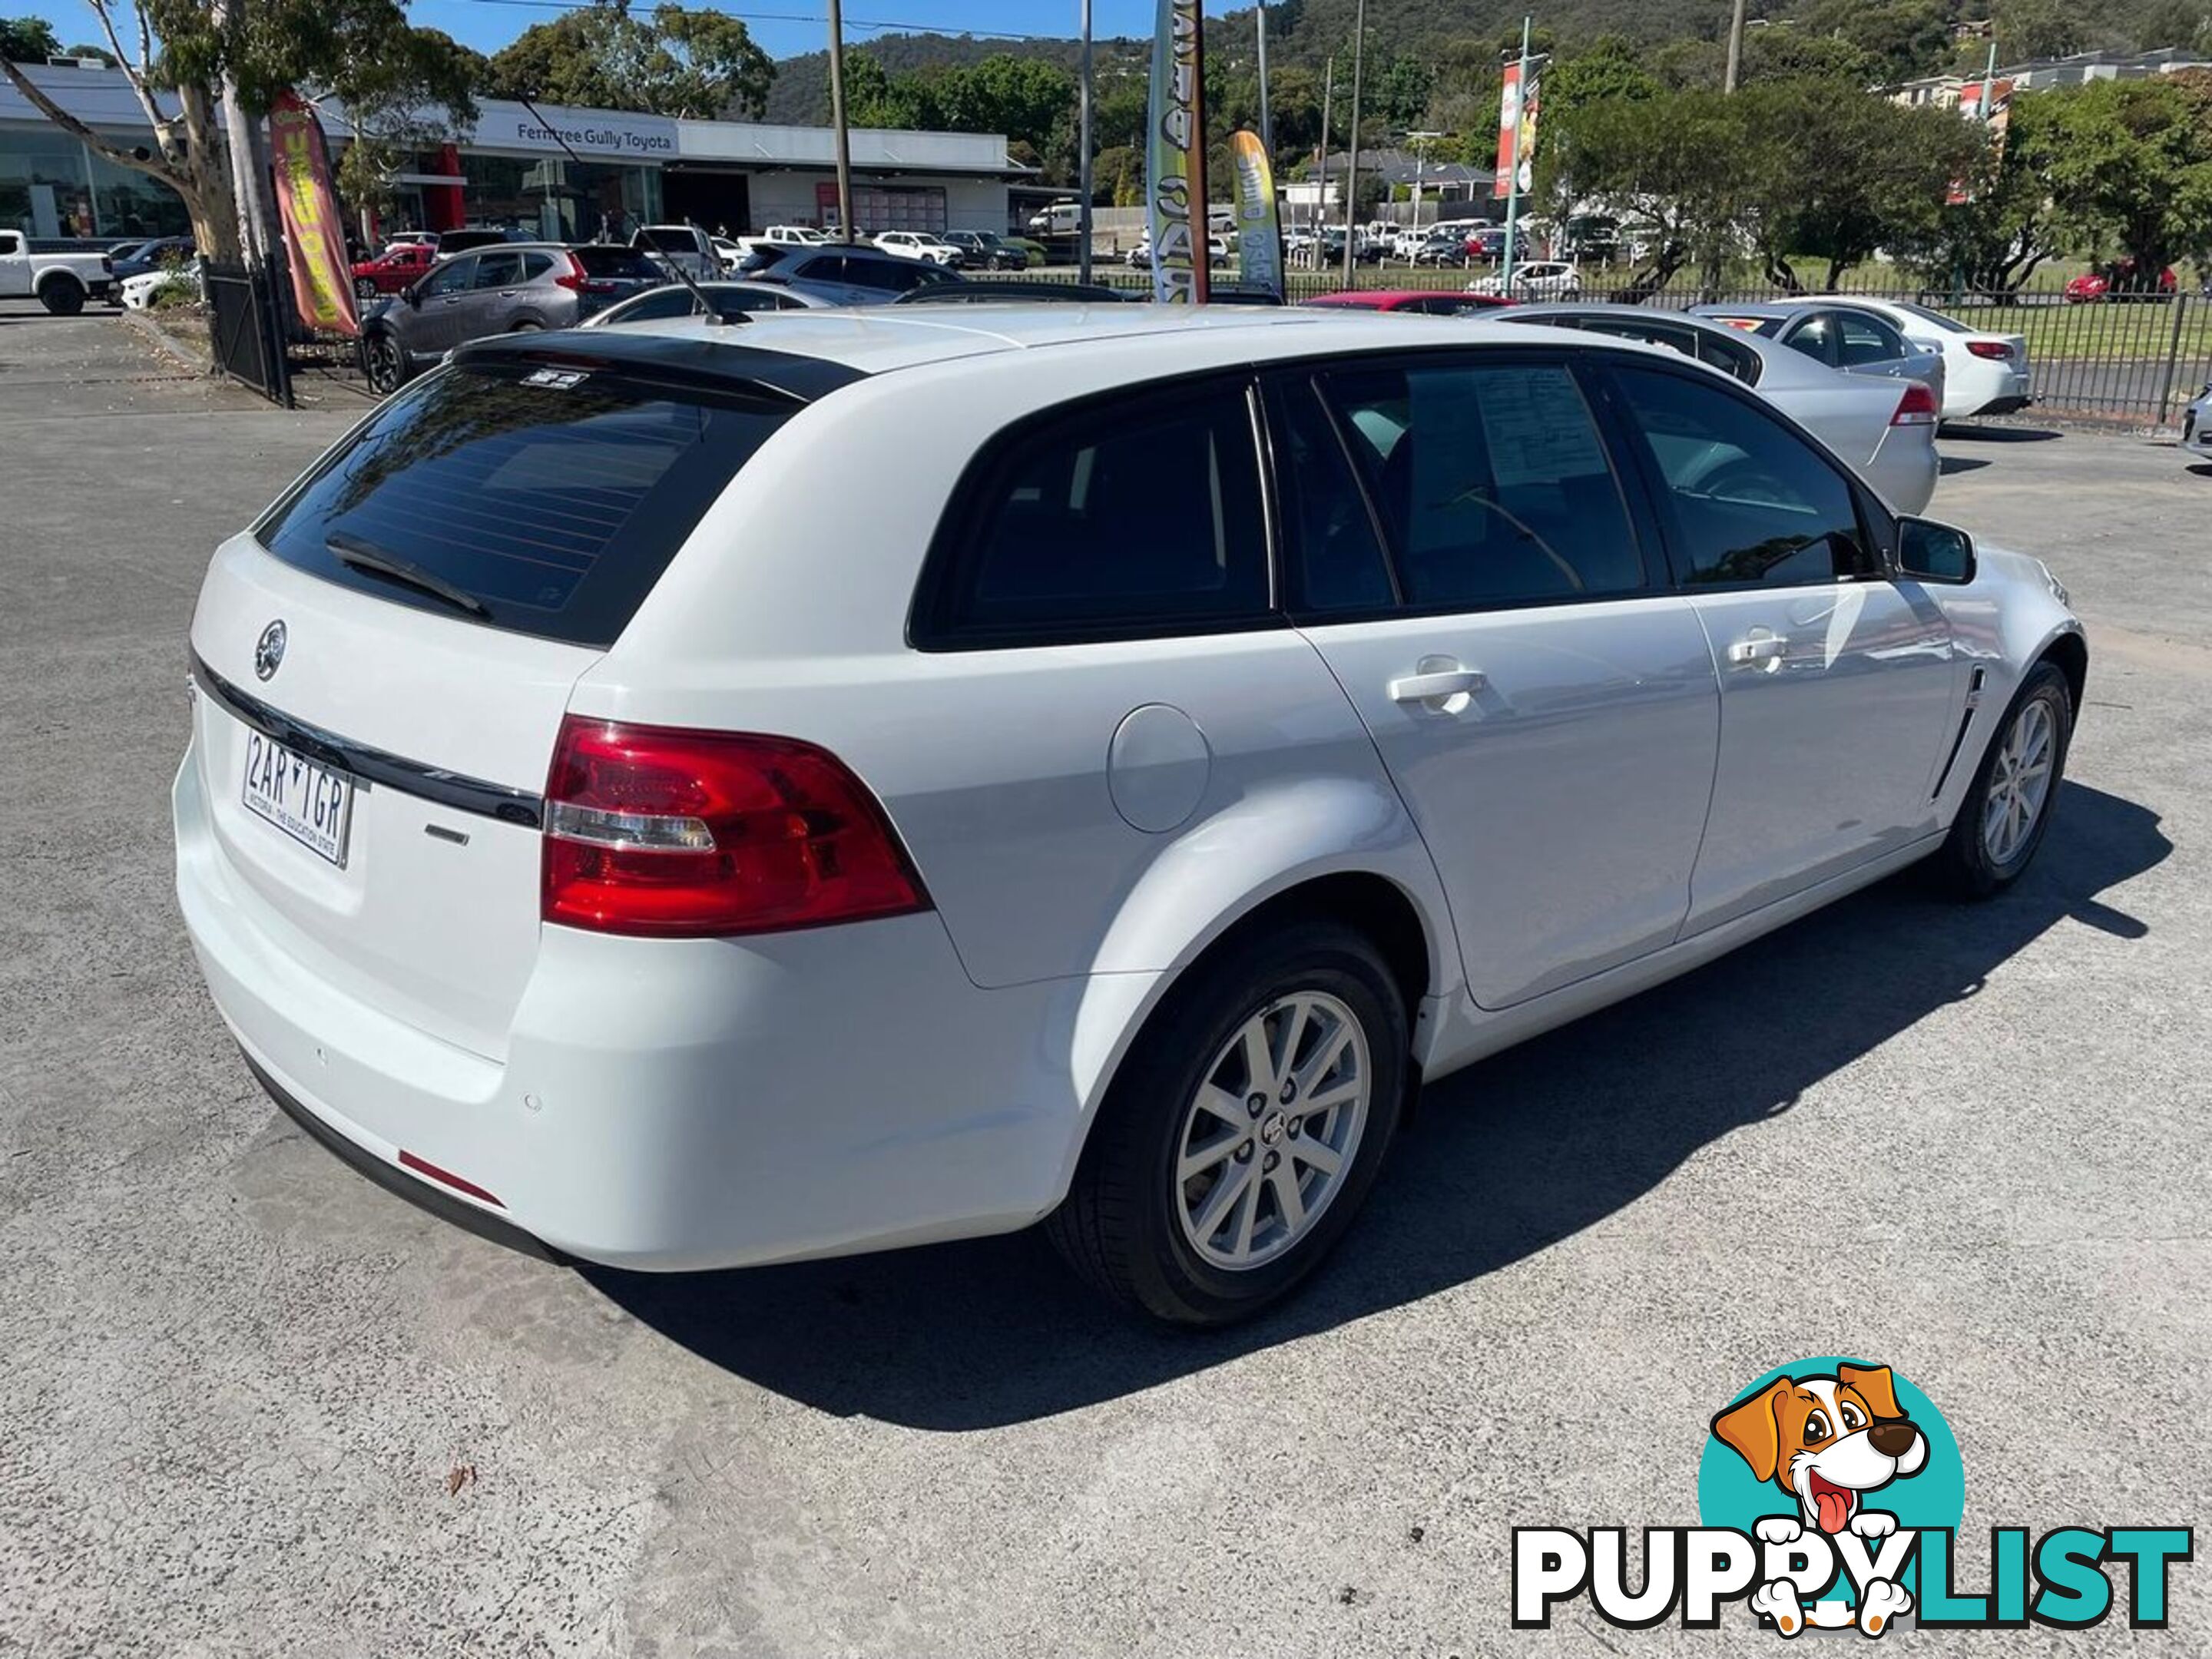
{"x": 783, "y": 27}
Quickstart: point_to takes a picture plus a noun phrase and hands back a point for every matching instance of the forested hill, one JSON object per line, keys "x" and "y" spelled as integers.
{"x": 1895, "y": 39}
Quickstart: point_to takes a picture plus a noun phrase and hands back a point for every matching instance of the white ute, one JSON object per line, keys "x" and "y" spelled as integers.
{"x": 60, "y": 281}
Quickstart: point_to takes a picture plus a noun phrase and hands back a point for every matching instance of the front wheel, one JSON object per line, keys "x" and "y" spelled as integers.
{"x": 364, "y": 290}
{"x": 1244, "y": 1129}
{"x": 384, "y": 363}
{"x": 2008, "y": 807}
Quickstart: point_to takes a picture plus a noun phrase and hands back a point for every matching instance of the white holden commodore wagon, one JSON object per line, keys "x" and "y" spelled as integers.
{"x": 700, "y": 795}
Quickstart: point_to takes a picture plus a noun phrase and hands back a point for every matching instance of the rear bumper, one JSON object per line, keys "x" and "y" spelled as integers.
{"x": 2012, "y": 404}
{"x": 675, "y": 1104}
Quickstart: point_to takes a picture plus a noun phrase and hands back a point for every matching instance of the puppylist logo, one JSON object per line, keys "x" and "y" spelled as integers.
{"x": 1830, "y": 1496}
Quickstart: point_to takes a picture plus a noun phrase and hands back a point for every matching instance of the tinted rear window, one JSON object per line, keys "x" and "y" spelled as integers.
{"x": 556, "y": 507}
{"x": 617, "y": 262}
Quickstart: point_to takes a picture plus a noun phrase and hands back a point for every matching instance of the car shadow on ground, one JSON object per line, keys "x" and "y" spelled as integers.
{"x": 2200, "y": 470}
{"x": 1503, "y": 1160}
{"x": 1956, "y": 464}
{"x": 1999, "y": 434}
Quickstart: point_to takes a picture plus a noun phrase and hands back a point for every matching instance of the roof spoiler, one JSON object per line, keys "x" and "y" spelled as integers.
{"x": 715, "y": 364}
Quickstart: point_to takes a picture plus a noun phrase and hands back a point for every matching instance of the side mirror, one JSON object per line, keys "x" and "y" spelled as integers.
{"x": 1931, "y": 552}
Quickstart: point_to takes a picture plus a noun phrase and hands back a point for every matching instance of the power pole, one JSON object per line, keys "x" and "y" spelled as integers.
{"x": 837, "y": 120}
{"x": 1083, "y": 162}
{"x": 1352, "y": 159}
{"x": 1735, "y": 48}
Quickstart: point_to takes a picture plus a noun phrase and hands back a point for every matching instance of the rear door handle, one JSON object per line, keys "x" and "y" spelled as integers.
{"x": 1435, "y": 686}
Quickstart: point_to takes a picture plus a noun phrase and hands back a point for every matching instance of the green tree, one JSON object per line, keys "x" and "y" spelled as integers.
{"x": 1024, "y": 98}
{"x": 2128, "y": 164}
{"x": 671, "y": 61}
{"x": 1799, "y": 200}
{"x": 1901, "y": 38}
{"x": 401, "y": 101}
{"x": 2038, "y": 28}
{"x": 1401, "y": 97}
{"x": 1673, "y": 164}
{"x": 28, "y": 40}
{"x": 180, "y": 52}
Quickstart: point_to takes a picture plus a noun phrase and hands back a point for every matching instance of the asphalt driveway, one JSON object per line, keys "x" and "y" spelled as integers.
{"x": 252, "y": 1405}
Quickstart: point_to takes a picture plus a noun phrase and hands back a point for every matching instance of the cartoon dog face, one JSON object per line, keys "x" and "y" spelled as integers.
{"x": 1824, "y": 1440}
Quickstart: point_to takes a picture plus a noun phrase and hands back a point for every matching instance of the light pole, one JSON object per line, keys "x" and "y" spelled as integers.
{"x": 1352, "y": 159}
{"x": 1083, "y": 163}
{"x": 1735, "y": 48}
{"x": 1421, "y": 141}
{"x": 837, "y": 120}
{"x": 1513, "y": 161}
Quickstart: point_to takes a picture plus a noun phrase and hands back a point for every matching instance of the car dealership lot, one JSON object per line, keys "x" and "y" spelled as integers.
{"x": 254, "y": 1405}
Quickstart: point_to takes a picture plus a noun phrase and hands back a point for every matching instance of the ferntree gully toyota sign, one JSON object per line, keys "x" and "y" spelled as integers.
{"x": 635, "y": 136}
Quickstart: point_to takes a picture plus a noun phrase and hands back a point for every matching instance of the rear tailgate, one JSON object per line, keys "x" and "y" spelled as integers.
{"x": 384, "y": 661}
{"x": 432, "y": 917}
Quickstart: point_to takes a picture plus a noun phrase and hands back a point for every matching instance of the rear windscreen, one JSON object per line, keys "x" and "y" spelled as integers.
{"x": 599, "y": 261}
{"x": 544, "y": 503}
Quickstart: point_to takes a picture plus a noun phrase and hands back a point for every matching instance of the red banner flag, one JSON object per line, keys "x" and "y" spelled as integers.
{"x": 322, "y": 280}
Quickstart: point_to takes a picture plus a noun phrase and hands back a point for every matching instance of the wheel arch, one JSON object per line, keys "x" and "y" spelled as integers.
{"x": 58, "y": 278}
{"x": 2070, "y": 652}
{"x": 1409, "y": 927}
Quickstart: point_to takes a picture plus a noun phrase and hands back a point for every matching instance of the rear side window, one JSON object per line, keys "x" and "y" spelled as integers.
{"x": 1491, "y": 482}
{"x": 1865, "y": 340}
{"x": 1749, "y": 501}
{"x": 553, "y": 507}
{"x": 1719, "y": 352}
{"x": 1123, "y": 518}
{"x": 498, "y": 270}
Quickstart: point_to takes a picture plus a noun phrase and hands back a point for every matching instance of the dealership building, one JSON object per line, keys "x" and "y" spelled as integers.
{"x": 562, "y": 173}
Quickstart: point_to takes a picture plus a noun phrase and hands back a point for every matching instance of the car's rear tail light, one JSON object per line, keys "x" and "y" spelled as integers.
{"x": 671, "y": 834}
{"x": 1916, "y": 407}
{"x": 1996, "y": 348}
{"x": 573, "y": 278}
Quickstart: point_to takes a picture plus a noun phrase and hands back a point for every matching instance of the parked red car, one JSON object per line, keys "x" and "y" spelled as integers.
{"x": 1432, "y": 301}
{"x": 394, "y": 269}
{"x": 2119, "y": 280}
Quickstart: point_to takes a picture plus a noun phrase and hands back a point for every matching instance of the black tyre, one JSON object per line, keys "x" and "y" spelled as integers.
{"x": 1243, "y": 1130}
{"x": 364, "y": 290}
{"x": 384, "y": 363}
{"x": 61, "y": 297}
{"x": 2008, "y": 806}
{"x": 527, "y": 325}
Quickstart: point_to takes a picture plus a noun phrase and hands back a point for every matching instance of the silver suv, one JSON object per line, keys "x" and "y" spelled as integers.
{"x": 495, "y": 290}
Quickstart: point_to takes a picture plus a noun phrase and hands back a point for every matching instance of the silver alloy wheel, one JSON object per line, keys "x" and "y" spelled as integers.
{"x": 2020, "y": 783}
{"x": 1271, "y": 1133}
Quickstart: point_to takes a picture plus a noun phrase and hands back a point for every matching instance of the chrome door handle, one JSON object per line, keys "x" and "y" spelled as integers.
{"x": 1758, "y": 650}
{"x": 1435, "y": 686}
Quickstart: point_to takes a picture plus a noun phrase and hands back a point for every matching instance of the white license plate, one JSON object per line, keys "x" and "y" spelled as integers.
{"x": 312, "y": 804}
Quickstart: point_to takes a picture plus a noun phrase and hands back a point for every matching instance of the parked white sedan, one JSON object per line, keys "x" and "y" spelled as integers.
{"x": 686, "y": 795}
{"x": 1984, "y": 373}
{"x": 1885, "y": 429}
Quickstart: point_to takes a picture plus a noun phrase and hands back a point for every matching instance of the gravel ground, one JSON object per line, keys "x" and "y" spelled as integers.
{"x": 255, "y": 1406}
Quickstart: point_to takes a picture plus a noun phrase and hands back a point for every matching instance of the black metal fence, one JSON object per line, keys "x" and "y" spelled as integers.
{"x": 245, "y": 330}
{"x": 2135, "y": 357}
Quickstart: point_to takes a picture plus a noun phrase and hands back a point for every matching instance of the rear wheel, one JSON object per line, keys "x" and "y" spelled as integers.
{"x": 526, "y": 326}
{"x": 364, "y": 289}
{"x": 61, "y": 297}
{"x": 2008, "y": 807}
{"x": 1244, "y": 1129}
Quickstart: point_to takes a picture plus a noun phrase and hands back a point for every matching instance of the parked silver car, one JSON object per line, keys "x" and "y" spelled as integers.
{"x": 2197, "y": 426}
{"x": 495, "y": 290}
{"x": 729, "y": 300}
{"x": 1843, "y": 337}
{"x": 1886, "y": 431}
